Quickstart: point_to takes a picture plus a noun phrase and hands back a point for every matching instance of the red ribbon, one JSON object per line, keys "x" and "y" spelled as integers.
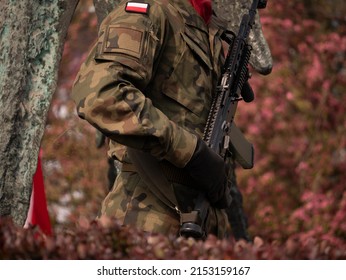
{"x": 203, "y": 8}
{"x": 38, "y": 212}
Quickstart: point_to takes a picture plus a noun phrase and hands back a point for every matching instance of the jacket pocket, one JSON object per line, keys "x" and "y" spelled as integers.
{"x": 190, "y": 82}
{"x": 194, "y": 39}
{"x": 119, "y": 40}
{"x": 131, "y": 47}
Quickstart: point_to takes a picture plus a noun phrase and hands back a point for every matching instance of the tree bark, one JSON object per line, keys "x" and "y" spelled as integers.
{"x": 32, "y": 34}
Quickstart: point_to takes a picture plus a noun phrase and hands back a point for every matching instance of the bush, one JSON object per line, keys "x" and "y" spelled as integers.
{"x": 106, "y": 239}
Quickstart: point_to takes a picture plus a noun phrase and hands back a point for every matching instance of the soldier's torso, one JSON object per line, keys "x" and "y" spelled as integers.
{"x": 185, "y": 78}
{"x": 182, "y": 86}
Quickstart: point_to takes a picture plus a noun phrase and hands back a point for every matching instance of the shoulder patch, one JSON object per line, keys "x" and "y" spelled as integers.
{"x": 137, "y": 7}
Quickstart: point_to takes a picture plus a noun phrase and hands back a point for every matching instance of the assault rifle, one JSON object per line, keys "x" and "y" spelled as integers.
{"x": 221, "y": 134}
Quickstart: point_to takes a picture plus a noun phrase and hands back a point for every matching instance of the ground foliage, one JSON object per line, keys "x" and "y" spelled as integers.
{"x": 294, "y": 196}
{"x": 107, "y": 239}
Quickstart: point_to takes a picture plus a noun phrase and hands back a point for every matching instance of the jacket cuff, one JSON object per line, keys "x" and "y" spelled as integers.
{"x": 182, "y": 147}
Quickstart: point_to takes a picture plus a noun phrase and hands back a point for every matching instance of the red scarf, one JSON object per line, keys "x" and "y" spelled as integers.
{"x": 203, "y": 8}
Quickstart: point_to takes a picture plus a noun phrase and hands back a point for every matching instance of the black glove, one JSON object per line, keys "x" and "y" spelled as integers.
{"x": 208, "y": 169}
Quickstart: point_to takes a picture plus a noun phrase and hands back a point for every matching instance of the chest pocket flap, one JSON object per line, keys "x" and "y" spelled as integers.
{"x": 190, "y": 82}
{"x": 199, "y": 45}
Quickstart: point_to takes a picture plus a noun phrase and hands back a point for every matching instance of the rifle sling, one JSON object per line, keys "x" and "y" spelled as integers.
{"x": 172, "y": 173}
{"x": 159, "y": 183}
{"x": 147, "y": 168}
{"x": 158, "y": 176}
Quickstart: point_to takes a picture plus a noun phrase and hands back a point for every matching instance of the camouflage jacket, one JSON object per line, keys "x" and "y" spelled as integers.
{"x": 149, "y": 79}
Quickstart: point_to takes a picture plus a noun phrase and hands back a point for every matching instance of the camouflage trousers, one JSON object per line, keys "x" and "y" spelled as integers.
{"x": 133, "y": 203}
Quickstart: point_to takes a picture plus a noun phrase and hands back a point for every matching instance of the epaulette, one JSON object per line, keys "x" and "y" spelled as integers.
{"x": 137, "y": 7}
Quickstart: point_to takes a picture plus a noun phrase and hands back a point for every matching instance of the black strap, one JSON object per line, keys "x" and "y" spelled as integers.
{"x": 147, "y": 167}
{"x": 172, "y": 173}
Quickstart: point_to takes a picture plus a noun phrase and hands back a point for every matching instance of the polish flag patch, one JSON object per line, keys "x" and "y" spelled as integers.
{"x": 136, "y": 7}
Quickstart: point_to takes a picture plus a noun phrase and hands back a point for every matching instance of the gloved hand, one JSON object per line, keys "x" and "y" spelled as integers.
{"x": 208, "y": 169}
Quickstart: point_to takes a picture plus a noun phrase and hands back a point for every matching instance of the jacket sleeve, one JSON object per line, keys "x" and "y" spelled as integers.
{"x": 108, "y": 89}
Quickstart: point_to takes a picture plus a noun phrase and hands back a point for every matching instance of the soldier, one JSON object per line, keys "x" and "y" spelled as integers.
{"x": 147, "y": 85}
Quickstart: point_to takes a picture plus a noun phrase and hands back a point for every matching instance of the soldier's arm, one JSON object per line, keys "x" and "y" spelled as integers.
{"x": 108, "y": 89}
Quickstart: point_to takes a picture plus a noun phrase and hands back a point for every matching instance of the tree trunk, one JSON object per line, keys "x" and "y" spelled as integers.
{"x": 32, "y": 34}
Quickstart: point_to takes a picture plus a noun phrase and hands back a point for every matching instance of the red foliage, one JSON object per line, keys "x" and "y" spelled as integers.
{"x": 106, "y": 239}
{"x": 297, "y": 187}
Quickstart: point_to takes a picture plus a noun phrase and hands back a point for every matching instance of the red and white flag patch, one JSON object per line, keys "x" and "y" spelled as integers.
{"x": 137, "y": 7}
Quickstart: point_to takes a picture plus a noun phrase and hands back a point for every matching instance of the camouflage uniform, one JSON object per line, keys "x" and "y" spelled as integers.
{"x": 148, "y": 83}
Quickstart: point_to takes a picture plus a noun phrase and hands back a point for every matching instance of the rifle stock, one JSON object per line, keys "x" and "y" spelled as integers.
{"x": 241, "y": 148}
